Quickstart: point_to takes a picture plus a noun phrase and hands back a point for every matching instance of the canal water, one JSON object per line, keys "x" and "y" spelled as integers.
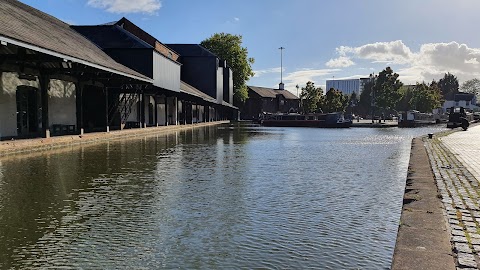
{"x": 209, "y": 198}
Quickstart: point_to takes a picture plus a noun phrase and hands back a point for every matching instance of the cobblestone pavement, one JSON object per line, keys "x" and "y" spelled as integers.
{"x": 455, "y": 161}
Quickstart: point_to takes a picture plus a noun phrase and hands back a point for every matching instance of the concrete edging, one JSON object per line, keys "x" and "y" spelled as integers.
{"x": 42, "y": 144}
{"x": 423, "y": 239}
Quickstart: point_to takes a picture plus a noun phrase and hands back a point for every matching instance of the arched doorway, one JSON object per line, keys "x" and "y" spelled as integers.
{"x": 27, "y": 111}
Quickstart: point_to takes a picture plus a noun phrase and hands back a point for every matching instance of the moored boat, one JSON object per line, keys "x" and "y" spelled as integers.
{"x": 322, "y": 120}
{"x": 415, "y": 118}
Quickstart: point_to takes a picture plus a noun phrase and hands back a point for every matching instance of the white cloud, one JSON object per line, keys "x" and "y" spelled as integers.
{"x": 259, "y": 73}
{"x": 127, "y": 6}
{"x": 393, "y": 51}
{"x": 236, "y": 19}
{"x": 340, "y": 62}
{"x": 473, "y": 61}
{"x": 301, "y": 77}
{"x": 431, "y": 61}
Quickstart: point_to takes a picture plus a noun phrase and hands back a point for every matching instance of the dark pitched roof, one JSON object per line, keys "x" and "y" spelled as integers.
{"x": 188, "y": 89}
{"x": 111, "y": 37}
{"x": 226, "y": 104}
{"x": 28, "y": 26}
{"x": 464, "y": 96}
{"x": 191, "y": 50}
{"x": 124, "y": 34}
{"x": 271, "y": 93}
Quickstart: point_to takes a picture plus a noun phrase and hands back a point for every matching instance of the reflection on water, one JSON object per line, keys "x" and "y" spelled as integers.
{"x": 209, "y": 198}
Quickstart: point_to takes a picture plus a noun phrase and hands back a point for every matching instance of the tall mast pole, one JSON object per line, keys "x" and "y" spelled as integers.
{"x": 281, "y": 68}
{"x": 281, "y": 63}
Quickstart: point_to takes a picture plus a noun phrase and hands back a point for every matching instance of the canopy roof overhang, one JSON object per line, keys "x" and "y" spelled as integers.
{"x": 27, "y": 56}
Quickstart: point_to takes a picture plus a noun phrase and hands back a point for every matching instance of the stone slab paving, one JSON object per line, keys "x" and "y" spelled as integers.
{"x": 423, "y": 239}
{"x": 455, "y": 161}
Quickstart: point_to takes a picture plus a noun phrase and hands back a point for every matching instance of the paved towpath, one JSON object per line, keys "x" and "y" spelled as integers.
{"x": 440, "y": 223}
{"x": 423, "y": 240}
{"x": 455, "y": 161}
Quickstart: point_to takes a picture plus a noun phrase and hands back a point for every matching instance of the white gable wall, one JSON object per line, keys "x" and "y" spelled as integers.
{"x": 166, "y": 73}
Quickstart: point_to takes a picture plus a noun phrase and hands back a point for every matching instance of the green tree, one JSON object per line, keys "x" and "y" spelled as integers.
{"x": 448, "y": 86}
{"x": 365, "y": 102}
{"x": 387, "y": 89}
{"x": 353, "y": 98}
{"x": 352, "y": 102}
{"x": 471, "y": 86}
{"x": 335, "y": 101}
{"x": 425, "y": 98}
{"x": 311, "y": 96}
{"x": 229, "y": 48}
{"x": 404, "y": 102}
{"x": 434, "y": 87}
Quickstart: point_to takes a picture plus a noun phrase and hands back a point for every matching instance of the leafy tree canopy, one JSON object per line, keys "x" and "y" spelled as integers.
{"x": 448, "y": 86}
{"x": 229, "y": 48}
{"x": 404, "y": 104}
{"x": 334, "y": 101}
{"x": 365, "y": 102}
{"x": 471, "y": 86}
{"x": 425, "y": 98}
{"x": 311, "y": 96}
{"x": 387, "y": 89}
{"x": 353, "y": 97}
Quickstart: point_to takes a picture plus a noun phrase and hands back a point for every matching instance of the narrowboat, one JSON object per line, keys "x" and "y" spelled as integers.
{"x": 321, "y": 120}
{"x": 415, "y": 118}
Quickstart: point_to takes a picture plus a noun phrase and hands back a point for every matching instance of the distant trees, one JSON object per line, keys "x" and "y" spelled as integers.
{"x": 311, "y": 97}
{"x": 229, "y": 48}
{"x": 334, "y": 101}
{"x": 386, "y": 88}
{"x": 385, "y": 91}
{"x": 425, "y": 97}
{"x": 365, "y": 102}
{"x": 448, "y": 86}
{"x": 471, "y": 86}
{"x": 404, "y": 103}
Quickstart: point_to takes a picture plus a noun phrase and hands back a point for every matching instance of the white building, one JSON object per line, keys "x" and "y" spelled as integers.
{"x": 349, "y": 86}
{"x": 465, "y": 100}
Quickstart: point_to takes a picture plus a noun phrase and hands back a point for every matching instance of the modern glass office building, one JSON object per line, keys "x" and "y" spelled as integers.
{"x": 348, "y": 86}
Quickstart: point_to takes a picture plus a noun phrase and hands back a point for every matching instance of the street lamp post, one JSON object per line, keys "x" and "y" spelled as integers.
{"x": 281, "y": 87}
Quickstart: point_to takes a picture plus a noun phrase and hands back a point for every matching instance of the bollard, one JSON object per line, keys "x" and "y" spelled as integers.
{"x": 430, "y": 135}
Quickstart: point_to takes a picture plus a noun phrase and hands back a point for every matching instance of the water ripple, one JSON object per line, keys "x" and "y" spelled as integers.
{"x": 209, "y": 198}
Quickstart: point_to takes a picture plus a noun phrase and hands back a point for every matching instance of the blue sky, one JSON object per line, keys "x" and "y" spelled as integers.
{"x": 419, "y": 39}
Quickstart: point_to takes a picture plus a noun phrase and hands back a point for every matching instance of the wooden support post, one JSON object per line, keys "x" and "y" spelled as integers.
{"x": 79, "y": 102}
{"x": 106, "y": 108}
{"x": 198, "y": 112}
{"x": 156, "y": 109}
{"x": 43, "y": 81}
{"x": 184, "y": 111}
{"x": 191, "y": 113}
{"x": 142, "y": 111}
{"x": 166, "y": 110}
{"x": 176, "y": 110}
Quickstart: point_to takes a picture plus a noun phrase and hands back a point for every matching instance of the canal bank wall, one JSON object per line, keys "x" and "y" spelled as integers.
{"x": 13, "y": 147}
{"x": 440, "y": 221}
{"x": 423, "y": 241}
